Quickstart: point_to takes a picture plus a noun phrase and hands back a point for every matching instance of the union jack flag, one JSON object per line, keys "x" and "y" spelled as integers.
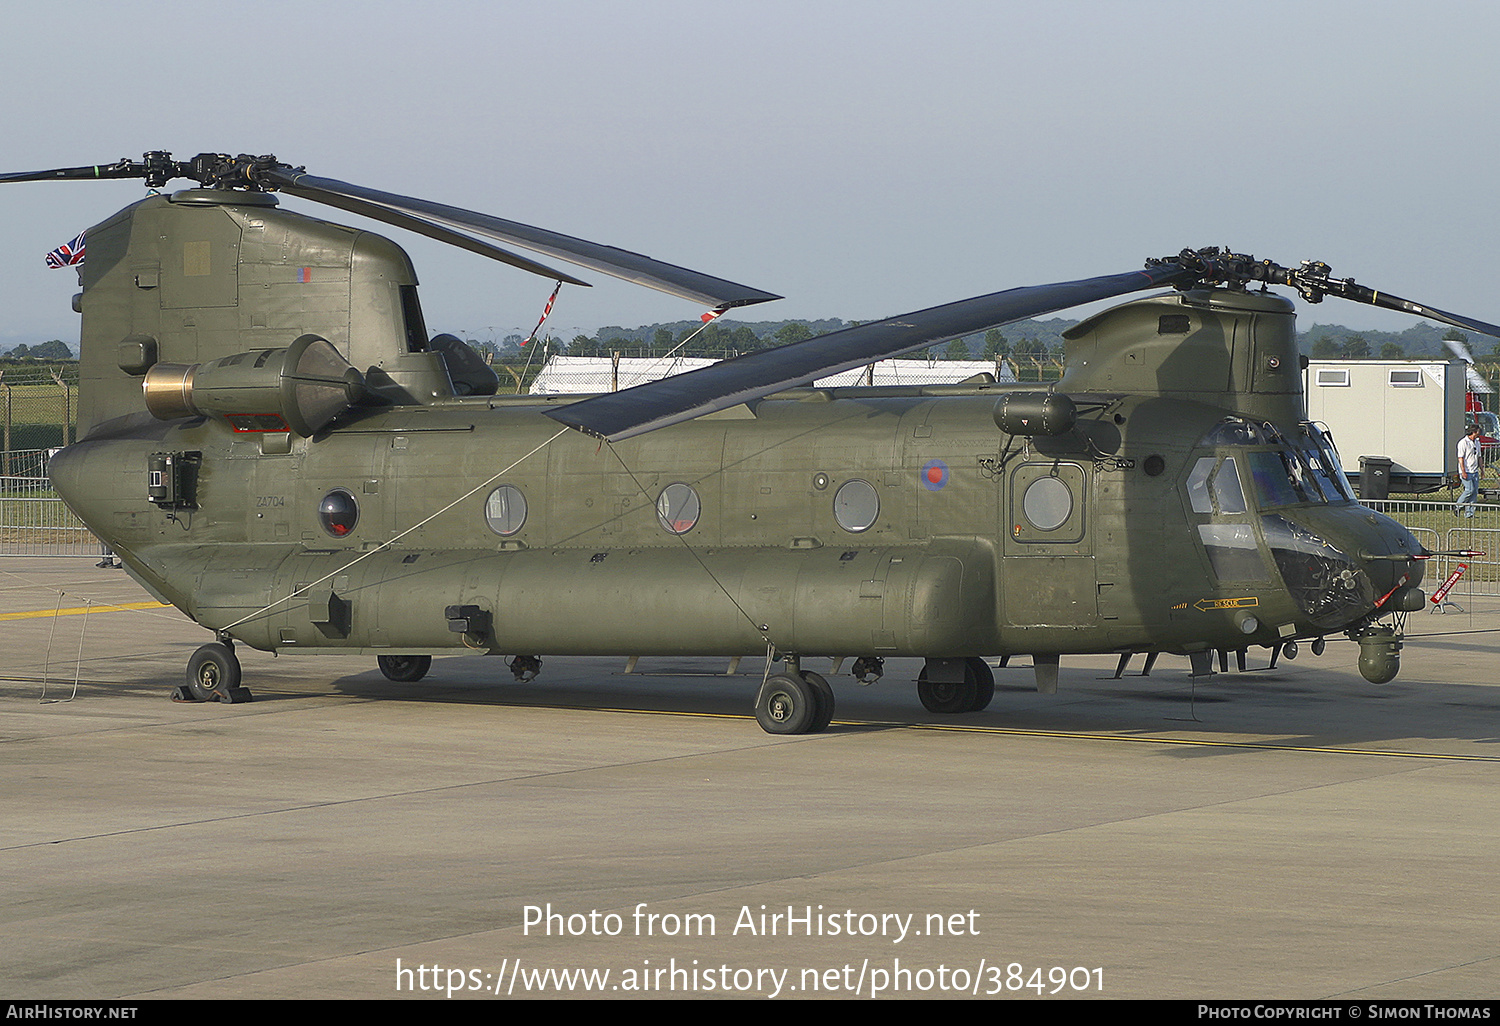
{"x": 68, "y": 254}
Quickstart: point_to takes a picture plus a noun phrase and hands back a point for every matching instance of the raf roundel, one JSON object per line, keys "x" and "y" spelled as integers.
{"x": 934, "y": 475}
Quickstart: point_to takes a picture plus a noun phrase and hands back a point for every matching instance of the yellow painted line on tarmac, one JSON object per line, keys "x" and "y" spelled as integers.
{"x": 37, "y": 614}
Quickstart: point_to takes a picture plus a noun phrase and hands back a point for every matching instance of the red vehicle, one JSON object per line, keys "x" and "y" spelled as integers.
{"x": 1489, "y": 428}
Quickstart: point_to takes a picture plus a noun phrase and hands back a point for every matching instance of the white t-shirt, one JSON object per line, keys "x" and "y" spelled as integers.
{"x": 1468, "y": 454}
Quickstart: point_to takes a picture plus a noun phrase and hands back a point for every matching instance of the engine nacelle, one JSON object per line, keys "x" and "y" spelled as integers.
{"x": 301, "y": 388}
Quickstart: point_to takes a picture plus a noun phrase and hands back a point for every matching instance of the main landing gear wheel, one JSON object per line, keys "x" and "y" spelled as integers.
{"x": 213, "y": 675}
{"x": 825, "y": 701}
{"x": 404, "y": 667}
{"x": 984, "y": 682}
{"x": 974, "y": 694}
{"x": 788, "y": 705}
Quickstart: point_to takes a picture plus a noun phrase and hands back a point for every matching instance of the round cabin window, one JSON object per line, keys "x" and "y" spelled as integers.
{"x": 678, "y": 508}
{"x": 856, "y": 505}
{"x": 1047, "y": 504}
{"x": 338, "y": 513}
{"x": 505, "y": 510}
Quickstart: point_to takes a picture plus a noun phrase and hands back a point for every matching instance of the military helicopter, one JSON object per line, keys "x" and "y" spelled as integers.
{"x": 273, "y": 444}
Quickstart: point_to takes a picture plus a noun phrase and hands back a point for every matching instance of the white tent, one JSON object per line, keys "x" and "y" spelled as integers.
{"x": 566, "y": 375}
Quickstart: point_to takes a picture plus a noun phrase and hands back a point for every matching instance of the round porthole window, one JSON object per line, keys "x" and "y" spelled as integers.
{"x": 856, "y": 505}
{"x": 338, "y": 513}
{"x": 678, "y": 508}
{"x": 1047, "y": 503}
{"x": 505, "y": 510}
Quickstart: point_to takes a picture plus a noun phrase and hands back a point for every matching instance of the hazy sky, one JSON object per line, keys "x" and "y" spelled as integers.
{"x": 861, "y": 158}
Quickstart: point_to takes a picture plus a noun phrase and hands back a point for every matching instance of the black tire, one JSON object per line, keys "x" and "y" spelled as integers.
{"x": 949, "y": 698}
{"x": 825, "y": 701}
{"x": 405, "y": 668}
{"x": 213, "y": 672}
{"x": 984, "y": 683}
{"x": 786, "y": 705}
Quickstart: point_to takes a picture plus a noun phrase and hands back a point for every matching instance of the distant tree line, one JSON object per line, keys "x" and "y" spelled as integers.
{"x": 1354, "y": 346}
{"x": 56, "y": 349}
{"x": 1023, "y": 340}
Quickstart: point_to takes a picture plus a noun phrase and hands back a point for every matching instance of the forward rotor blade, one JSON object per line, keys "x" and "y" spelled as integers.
{"x": 657, "y": 404}
{"x": 1314, "y": 281}
{"x": 1389, "y": 302}
{"x": 620, "y": 263}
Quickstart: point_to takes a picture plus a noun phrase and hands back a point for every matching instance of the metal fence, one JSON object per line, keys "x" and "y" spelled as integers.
{"x": 1443, "y": 527}
{"x": 33, "y": 520}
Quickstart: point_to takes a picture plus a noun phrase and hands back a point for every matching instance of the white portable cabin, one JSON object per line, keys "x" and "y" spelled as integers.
{"x": 1408, "y": 411}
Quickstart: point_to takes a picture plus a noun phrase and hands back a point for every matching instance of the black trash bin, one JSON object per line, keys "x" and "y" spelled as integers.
{"x": 1374, "y": 477}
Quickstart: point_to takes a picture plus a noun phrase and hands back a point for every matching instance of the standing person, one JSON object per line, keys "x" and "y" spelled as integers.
{"x": 1468, "y": 470}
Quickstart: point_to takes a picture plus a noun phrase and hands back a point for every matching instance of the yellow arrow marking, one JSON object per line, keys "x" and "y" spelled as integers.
{"x": 1227, "y": 603}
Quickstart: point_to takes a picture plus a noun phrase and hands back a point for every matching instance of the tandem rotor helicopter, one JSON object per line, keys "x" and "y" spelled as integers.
{"x": 272, "y": 443}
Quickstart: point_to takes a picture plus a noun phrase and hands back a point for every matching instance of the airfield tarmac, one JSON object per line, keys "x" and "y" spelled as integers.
{"x": 1295, "y": 833}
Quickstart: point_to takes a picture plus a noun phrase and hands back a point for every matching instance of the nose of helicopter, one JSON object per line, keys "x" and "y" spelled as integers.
{"x": 1346, "y": 564}
{"x": 1392, "y": 557}
{"x": 1345, "y": 567}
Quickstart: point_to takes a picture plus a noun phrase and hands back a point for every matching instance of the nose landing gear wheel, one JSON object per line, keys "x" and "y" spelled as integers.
{"x": 213, "y": 675}
{"x": 404, "y": 667}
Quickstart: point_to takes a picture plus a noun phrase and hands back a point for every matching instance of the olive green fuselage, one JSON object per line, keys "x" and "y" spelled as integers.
{"x": 953, "y": 564}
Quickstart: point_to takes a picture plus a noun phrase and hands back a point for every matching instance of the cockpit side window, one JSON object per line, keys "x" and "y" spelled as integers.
{"x": 1233, "y": 551}
{"x": 1214, "y": 486}
{"x": 1197, "y": 485}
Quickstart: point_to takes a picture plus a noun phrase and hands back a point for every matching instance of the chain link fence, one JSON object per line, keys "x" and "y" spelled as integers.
{"x": 38, "y": 410}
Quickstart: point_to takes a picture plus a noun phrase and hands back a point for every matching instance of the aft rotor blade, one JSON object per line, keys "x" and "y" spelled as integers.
{"x": 620, "y": 263}
{"x": 432, "y": 230}
{"x": 657, "y": 404}
{"x": 1314, "y": 281}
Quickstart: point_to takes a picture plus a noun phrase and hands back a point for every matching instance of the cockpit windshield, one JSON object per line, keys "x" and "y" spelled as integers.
{"x": 1279, "y": 480}
{"x": 1323, "y": 460}
{"x": 1284, "y": 471}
